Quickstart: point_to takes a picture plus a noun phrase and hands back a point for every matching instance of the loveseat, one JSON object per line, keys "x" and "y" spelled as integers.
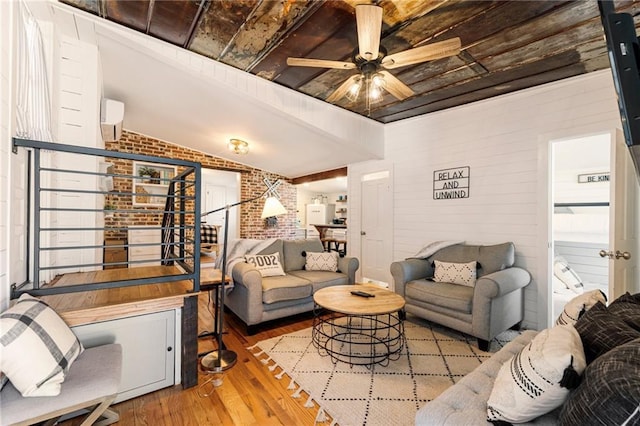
{"x": 490, "y": 304}
{"x": 607, "y": 393}
{"x": 256, "y": 299}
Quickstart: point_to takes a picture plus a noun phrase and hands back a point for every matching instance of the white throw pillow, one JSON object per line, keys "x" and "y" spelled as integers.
{"x": 325, "y": 261}
{"x": 567, "y": 275}
{"x": 267, "y": 264}
{"x": 455, "y": 273}
{"x": 529, "y": 385}
{"x": 577, "y": 306}
{"x": 38, "y": 347}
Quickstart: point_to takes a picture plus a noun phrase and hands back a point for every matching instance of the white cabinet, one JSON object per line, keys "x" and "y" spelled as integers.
{"x": 151, "y": 253}
{"x": 149, "y": 350}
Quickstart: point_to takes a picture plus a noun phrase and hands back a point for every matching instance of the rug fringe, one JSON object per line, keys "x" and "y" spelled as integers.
{"x": 321, "y": 417}
{"x": 292, "y": 385}
{"x": 309, "y": 403}
{"x": 280, "y": 375}
{"x": 296, "y": 394}
{"x": 252, "y": 347}
{"x": 273, "y": 367}
{"x": 265, "y": 361}
{"x": 257, "y": 354}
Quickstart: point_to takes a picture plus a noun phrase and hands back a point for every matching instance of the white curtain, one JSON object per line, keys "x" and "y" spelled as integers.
{"x": 33, "y": 108}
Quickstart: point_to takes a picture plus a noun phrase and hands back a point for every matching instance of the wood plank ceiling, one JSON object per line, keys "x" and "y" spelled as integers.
{"x": 506, "y": 45}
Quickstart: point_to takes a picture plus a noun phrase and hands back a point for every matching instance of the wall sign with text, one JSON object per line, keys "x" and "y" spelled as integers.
{"x": 594, "y": 177}
{"x": 450, "y": 184}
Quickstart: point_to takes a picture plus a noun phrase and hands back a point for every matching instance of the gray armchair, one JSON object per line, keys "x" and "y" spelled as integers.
{"x": 493, "y": 305}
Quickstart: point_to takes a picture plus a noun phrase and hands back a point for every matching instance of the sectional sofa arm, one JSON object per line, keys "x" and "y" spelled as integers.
{"x": 349, "y": 265}
{"x": 407, "y": 270}
{"x": 502, "y": 282}
{"x": 246, "y": 275}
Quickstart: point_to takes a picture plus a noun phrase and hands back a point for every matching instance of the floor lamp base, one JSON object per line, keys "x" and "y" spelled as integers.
{"x": 218, "y": 361}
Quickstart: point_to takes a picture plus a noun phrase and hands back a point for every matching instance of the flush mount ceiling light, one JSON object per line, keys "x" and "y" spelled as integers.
{"x": 238, "y": 146}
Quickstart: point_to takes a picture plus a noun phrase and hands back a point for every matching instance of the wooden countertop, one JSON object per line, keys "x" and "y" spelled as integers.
{"x": 101, "y": 305}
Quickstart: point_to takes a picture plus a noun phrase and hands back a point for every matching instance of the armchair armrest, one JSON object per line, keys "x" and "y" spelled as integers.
{"x": 349, "y": 265}
{"x": 501, "y": 282}
{"x": 408, "y": 270}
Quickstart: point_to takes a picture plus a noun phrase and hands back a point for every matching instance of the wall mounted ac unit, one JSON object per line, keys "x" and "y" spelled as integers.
{"x": 111, "y": 116}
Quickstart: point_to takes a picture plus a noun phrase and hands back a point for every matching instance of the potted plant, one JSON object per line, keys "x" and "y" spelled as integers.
{"x": 147, "y": 173}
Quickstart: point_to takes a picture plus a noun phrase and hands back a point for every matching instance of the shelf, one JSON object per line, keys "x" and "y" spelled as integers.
{"x": 155, "y": 190}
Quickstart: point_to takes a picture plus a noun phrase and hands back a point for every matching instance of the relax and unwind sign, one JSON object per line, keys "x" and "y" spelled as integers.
{"x": 451, "y": 183}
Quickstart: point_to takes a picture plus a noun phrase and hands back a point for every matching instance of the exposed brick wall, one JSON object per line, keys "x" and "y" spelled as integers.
{"x": 251, "y": 185}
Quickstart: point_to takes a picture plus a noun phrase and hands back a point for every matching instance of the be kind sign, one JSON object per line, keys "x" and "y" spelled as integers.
{"x": 451, "y": 183}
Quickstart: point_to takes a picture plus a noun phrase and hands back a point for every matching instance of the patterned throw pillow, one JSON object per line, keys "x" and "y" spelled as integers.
{"x": 325, "y": 261}
{"x": 601, "y": 331}
{"x": 455, "y": 273}
{"x": 568, "y": 276}
{"x": 267, "y": 264}
{"x": 38, "y": 347}
{"x": 610, "y": 390}
{"x": 532, "y": 382}
{"x": 577, "y": 306}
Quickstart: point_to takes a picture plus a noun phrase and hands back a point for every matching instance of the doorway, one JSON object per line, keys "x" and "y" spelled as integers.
{"x": 376, "y": 235}
{"x": 580, "y": 216}
{"x": 219, "y": 188}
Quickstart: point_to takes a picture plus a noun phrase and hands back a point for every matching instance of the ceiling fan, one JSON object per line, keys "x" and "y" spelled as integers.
{"x": 369, "y": 57}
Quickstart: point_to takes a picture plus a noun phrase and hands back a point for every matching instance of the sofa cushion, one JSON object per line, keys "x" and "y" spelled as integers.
{"x": 286, "y": 287}
{"x": 324, "y": 261}
{"x": 452, "y": 296}
{"x": 267, "y": 264}
{"x": 455, "y": 273}
{"x": 577, "y": 306}
{"x": 610, "y": 390}
{"x": 601, "y": 331}
{"x": 532, "y": 382}
{"x": 627, "y": 308}
{"x": 37, "y": 347}
{"x": 490, "y": 258}
{"x": 321, "y": 279}
{"x": 293, "y": 249}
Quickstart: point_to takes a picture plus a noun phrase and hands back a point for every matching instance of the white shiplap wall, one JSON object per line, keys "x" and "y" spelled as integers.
{"x": 6, "y": 37}
{"x": 499, "y": 139}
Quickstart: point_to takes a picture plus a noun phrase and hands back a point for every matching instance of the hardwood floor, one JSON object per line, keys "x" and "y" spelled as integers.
{"x": 249, "y": 395}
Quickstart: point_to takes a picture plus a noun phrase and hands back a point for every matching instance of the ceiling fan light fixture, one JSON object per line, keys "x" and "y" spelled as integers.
{"x": 354, "y": 90}
{"x": 377, "y": 80}
{"x": 238, "y": 146}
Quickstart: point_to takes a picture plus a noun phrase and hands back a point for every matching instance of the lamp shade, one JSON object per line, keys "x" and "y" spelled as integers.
{"x": 272, "y": 207}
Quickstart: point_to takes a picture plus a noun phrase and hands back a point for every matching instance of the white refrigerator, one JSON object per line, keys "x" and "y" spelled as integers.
{"x": 318, "y": 214}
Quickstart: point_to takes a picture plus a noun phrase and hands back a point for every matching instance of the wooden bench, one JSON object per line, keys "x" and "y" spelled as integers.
{"x": 91, "y": 383}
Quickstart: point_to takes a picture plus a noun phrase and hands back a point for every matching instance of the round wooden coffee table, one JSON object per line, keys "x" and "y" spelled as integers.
{"x": 358, "y": 330}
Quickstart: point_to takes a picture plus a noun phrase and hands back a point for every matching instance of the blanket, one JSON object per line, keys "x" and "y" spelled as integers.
{"x": 433, "y": 247}
{"x": 236, "y": 250}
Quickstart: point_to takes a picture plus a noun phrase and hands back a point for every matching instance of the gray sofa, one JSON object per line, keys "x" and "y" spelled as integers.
{"x": 465, "y": 403}
{"x": 256, "y": 299}
{"x": 493, "y": 305}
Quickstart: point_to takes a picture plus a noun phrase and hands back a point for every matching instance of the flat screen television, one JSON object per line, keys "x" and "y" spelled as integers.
{"x": 624, "y": 57}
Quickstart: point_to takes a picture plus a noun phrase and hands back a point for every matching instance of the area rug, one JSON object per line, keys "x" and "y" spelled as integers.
{"x": 433, "y": 359}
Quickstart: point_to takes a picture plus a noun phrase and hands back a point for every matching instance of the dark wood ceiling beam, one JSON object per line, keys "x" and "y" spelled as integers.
{"x": 149, "y": 16}
{"x": 202, "y": 8}
{"x": 329, "y": 174}
{"x": 278, "y": 40}
{"x": 232, "y": 41}
{"x": 504, "y": 81}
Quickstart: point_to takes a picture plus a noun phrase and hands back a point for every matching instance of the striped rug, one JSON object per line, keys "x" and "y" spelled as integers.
{"x": 433, "y": 359}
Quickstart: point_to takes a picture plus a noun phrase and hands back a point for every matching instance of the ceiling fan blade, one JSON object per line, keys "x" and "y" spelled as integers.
{"x": 428, "y": 52}
{"x": 320, "y": 63}
{"x": 369, "y": 22}
{"x": 395, "y": 86}
{"x": 343, "y": 89}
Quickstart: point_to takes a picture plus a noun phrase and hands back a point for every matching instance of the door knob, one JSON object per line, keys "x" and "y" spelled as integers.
{"x": 625, "y": 255}
{"x": 363, "y": 233}
{"x": 604, "y": 253}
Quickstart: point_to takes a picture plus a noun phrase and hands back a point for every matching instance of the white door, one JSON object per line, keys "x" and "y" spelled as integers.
{"x": 376, "y": 243}
{"x": 624, "y": 242}
{"x": 214, "y": 197}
